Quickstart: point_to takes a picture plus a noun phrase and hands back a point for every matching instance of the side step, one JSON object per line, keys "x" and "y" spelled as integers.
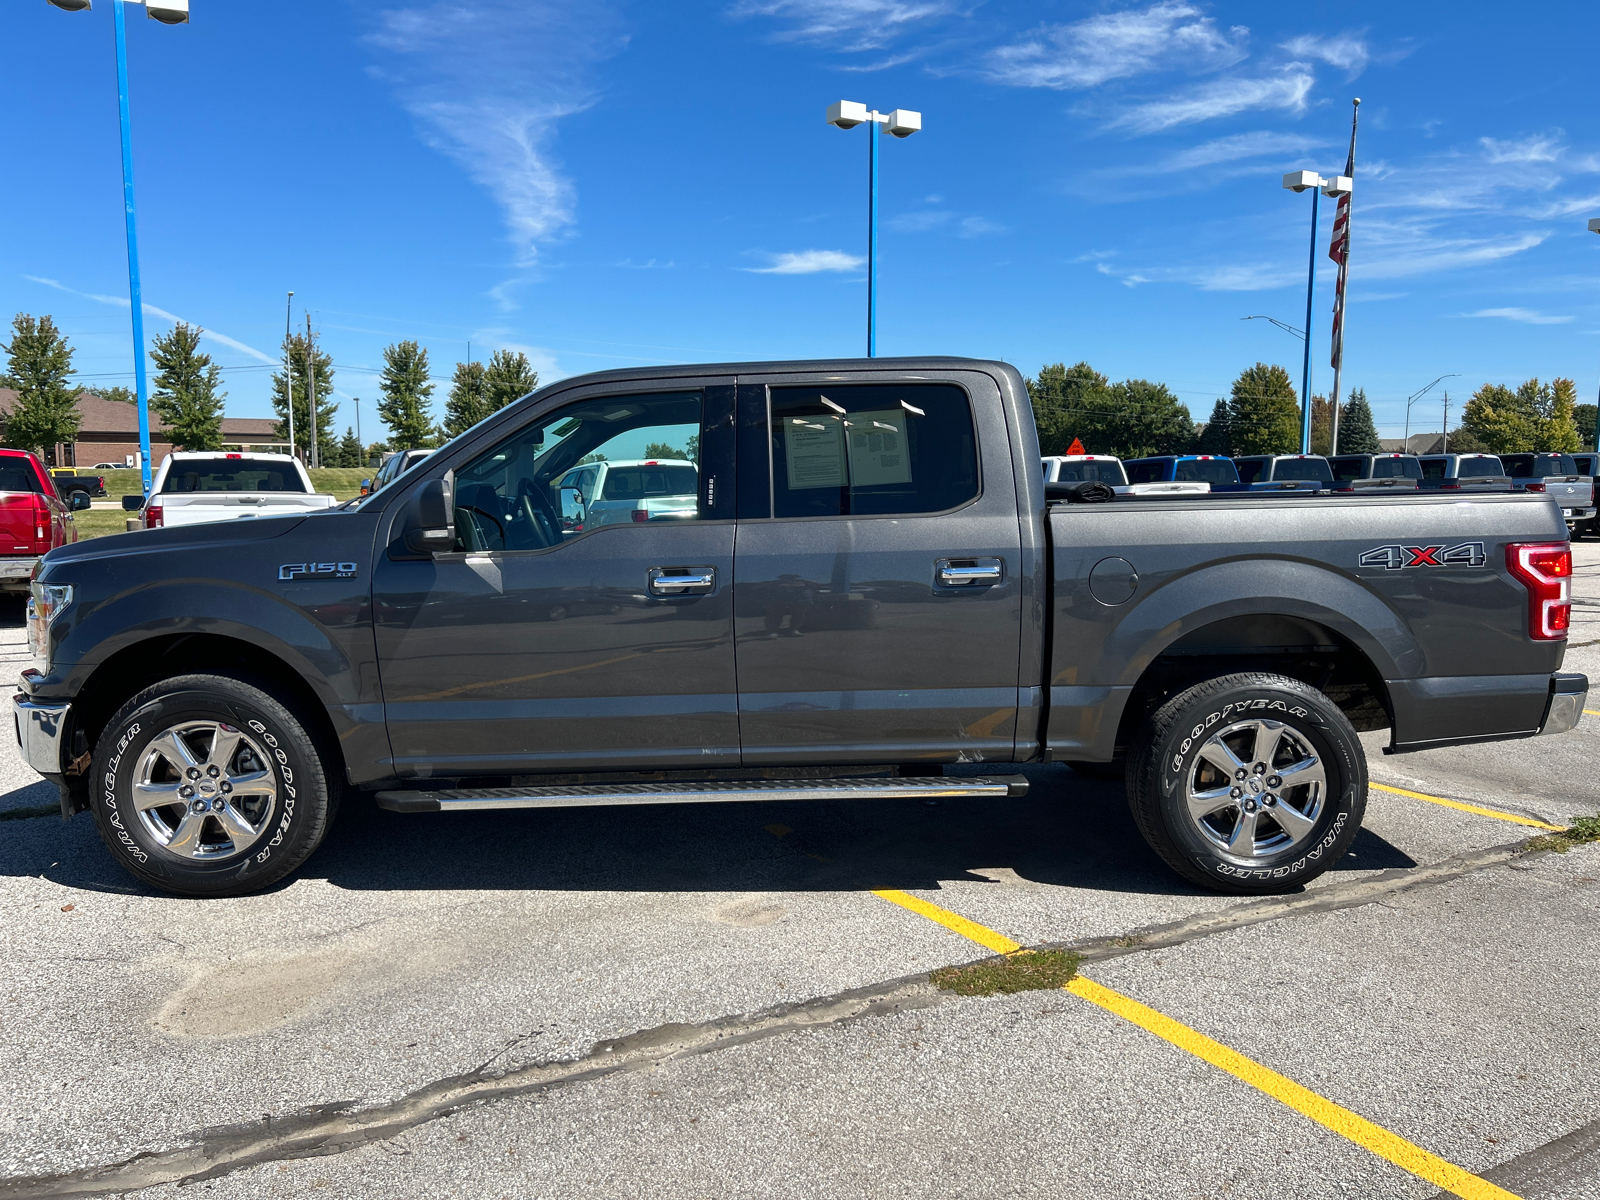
{"x": 887, "y": 788}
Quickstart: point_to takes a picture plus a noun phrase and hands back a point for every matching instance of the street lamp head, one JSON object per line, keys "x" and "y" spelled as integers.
{"x": 1594, "y": 224}
{"x": 903, "y": 122}
{"x": 72, "y": 5}
{"x": 1339, "y": 185}
{"x": 846, "y": 114}
{"x": 168, "y": 12}
{"x": 1300, "y": 181}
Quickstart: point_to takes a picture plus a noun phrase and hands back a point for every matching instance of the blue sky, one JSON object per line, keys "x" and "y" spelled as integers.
{"x": 614, "y": 184}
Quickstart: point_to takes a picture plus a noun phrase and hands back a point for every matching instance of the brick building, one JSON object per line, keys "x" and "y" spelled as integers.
{"x": 110, "y": 433}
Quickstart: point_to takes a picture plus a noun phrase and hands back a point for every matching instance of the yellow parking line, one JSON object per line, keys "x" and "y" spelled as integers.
{"x": 1590, "y": 712}
{"x": 1349, "y": 1125}
{"x": 1471, "y": 808}
{"x": 1326, "y": 1113}
{"x": 997, "y": 942}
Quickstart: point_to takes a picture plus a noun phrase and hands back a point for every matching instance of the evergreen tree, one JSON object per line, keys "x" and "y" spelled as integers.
{"x": 468, "y": 402}
{"x": 38, "y": 362}
{"x": 303, "y": 351}
{"x": 121, "y": 395}
{"x": 1263, "y": 413}
{"x": 1502, "y": 420}
{"x": 1358, "y": 434}
{"x": 406, "y": 395}
{"x": 1069, "y": 403}
{"x": 186, "y": 396}
{"x": 1217, "y": 437}
{"x": 1556, "y": 405}
{"x": 1583, "y": 416}
{"x": 508, "y": 377}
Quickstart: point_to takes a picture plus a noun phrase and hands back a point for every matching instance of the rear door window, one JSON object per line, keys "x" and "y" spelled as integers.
{"x": 232, "y": 475}
{"x": 872, "y": 449}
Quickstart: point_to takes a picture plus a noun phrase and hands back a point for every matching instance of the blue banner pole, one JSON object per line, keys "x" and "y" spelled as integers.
{"x": 135, "y": 295}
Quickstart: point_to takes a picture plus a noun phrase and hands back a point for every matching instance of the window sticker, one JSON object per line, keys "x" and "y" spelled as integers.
{"x": 814, "y": 452}
{"x": 878, "y": 450}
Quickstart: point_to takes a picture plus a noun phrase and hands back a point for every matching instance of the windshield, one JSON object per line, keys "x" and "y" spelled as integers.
{"x": 232, "y": 475}
{"x": 1205, "y": 470}
{"x": 1479, "y": 468}
{"x": 1107, "y": 471}
{"x": 1314, "y": 469}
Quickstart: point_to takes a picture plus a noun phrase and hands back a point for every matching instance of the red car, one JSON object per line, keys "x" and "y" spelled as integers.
{"x": 34, "y": 519}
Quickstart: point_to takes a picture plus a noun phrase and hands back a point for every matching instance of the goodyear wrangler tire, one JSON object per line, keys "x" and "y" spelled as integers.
{"x": 1249, "y": 783}
{"x": 205, "y": 785}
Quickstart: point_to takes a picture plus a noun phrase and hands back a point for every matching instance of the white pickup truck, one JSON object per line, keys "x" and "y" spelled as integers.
{"x": 195, "y": 486}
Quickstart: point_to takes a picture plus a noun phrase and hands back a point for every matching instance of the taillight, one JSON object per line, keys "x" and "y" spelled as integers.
{"x": 41, "y": 525}
{"x": 1545, "y": 569}
{"x": 641, "y": 514}
{"x": 154, "y": 516}
{"x": 1534, "y": 487}
{"x": 1450, "y": 485}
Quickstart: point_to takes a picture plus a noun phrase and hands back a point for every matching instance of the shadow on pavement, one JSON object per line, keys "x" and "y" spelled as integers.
{"x": 1068, "y": 832}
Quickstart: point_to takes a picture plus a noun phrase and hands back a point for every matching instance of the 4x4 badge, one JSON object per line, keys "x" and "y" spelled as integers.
{"x": 317, "y": 571}
{"x": 1397, "y": 558}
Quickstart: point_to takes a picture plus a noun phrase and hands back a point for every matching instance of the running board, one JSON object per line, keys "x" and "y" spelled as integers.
{"x": 887, "y": 788}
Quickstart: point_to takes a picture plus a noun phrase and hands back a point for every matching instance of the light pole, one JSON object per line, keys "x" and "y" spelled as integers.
{"x": 288, "y": 365}
{"x": 1405, "y": 444}
{"x": 1339, "y": 185}
{"x": 1283, "y": 325}
{"x": 168, "y": 12}
{"x": 902, "y": 122}
{"x": 1594, "y": 227}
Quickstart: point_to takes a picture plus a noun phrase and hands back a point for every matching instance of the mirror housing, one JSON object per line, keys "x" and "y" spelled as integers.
{"x": 132, "y": 503}
{"x": 79, "y": 501}
{"x": 430, "y": 520}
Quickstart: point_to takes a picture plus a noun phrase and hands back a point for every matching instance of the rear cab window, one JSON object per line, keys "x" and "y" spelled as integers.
{"x": 1093, "y": 472}
{"x": 1401, "y": 467}
{"x": 1297, "y": 469}
{"x": 1348, "y": 468}
{"x": 1433, "y": 468}
{"x": 1479, "y": 468}
{"x": 18, "y": 475}
{"x": 1204, "y": 470}
{"x": 232, "y": 475}
{"x": 1249, "y": 469}
{"x": 1146, "y": 472}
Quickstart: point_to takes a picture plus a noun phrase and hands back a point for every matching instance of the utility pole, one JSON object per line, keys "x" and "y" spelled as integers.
{"x": 1445, "y": 449}
{"x": 311, "y": 395}
{"x": 358, "y": 427}
{"x": 288, "y": 365}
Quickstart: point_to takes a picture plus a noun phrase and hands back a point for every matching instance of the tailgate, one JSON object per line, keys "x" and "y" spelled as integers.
{"x": 191, "y": 509}
{"x": 1570, "y": 491}
{"x": 18, "y": 526}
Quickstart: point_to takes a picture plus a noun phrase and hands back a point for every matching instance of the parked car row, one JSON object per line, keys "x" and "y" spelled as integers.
{"x": 1567, "y": 479}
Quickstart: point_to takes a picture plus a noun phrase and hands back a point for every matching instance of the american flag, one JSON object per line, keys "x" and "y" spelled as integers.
{"x": 1339, "y": 251}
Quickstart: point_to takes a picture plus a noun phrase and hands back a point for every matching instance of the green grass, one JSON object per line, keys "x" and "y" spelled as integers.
{"x": 1024, "y": 971}
{"x": 98, "y": 522}
{"x": 343, "y": 482}
{"x": 1584, "y": 829}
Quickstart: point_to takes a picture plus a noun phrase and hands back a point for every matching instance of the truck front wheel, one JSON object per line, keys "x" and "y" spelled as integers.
{"x": 206, "y": 785}
{"x": 1249, "y": 783}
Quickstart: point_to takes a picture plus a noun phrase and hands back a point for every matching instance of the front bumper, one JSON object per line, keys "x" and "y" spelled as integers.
{"x": 40, "y": 727}
{"x": 1568, "y": 694}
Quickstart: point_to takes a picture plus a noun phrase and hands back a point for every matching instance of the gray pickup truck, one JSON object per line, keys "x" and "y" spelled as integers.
{"x": 875, "y": 584}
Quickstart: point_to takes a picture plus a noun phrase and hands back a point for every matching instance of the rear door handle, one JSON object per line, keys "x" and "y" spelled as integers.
{"x": 682, "y": 581}
{"x": 969, "y": 572}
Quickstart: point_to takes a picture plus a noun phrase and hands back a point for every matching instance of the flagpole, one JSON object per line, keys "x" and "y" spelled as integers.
{"x": 1344, "y": 275}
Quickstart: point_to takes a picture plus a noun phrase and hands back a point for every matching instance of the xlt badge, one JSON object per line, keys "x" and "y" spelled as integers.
{"x": 317, "y": 571}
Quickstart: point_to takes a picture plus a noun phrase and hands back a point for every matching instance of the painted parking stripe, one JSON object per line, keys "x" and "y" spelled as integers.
{"x": 1352, "y": 1126}
{"x": 1515, "y": 818}
{"x": 1590, "y": 712}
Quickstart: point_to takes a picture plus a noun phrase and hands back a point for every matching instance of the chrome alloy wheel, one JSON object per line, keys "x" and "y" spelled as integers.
{"x": 1257, "y": 788}
{"x": 205, "y": 790}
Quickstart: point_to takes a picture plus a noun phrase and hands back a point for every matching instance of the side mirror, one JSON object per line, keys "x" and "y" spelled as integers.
{"x": 572, "y": 510}
{"x": 430, "y": 522}
{"x": 132, "y": 503}
{"x": 80, "y": 501}
{"x": 366, "y": 487}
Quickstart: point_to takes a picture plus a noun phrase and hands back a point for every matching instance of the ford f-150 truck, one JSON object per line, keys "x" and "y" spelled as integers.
{"x": 192, "y": 486}
{"x": 1556, "y": 475}
{"x": 873, "y": 585}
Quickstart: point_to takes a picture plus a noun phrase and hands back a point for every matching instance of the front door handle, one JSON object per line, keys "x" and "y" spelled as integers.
{"x": 682, "y": 581}
{"x": 969, "y": 572}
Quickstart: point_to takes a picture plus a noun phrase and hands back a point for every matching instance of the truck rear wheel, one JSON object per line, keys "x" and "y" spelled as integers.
{"x": 206, "y": 785}
{"x": 1249, "y": 783}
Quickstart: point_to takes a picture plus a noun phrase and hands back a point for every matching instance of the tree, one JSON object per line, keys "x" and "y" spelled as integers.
{"x": 1217, "y": 436}
{"x": 120, "y": 394}
{"x": 348, "y": 453}
{"x": 1583, "y": 416}
{"x": 406, "y": 395}
{"x": 1556, "y": 404}
{"x": 1462, "y": 441}
{"x": 1263, "y": 412}
{"x": 662, "y": 450}
{"x": 468, "y": 402}
{"x": 1358, "y": 433}
{"x": 303, "y": 351}
{"x": 1502, "y": 420}
{"x": 508, "y": 377}
{"x": 38, "y": 362}
{"x": 1322, "y": 425}
{"x": 185, "y": 395}
{"x": 1068, "y": 403}
{"x": 1144, "y": 418}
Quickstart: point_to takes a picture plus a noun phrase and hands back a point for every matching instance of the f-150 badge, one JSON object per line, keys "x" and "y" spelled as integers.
{"x": 1398, "y": 558}
{"x": 317, "y": 571}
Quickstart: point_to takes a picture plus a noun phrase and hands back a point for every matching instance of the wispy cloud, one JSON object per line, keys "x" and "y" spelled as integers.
{"x": 151, "y": 310}
{"x": 1240, "y": 146}
{"x": 853, "y": 24}
{"x": 926, "y": 221}
{"x": 1118, "y": 45}
{"x": 809, "y": 262}
{"x": 1540, "y": 148}
{"x": 1347, "y": 51}
{"x": 1284, "y": 92}
{"x": 1525, "y": 316}
{"x": 488, "y": 82}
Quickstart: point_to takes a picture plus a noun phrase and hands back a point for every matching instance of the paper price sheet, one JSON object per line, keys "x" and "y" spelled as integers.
{"x": 857, "y": 450}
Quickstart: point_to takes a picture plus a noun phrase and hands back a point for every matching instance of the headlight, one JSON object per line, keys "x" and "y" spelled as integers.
{"x": 46, "y": 602}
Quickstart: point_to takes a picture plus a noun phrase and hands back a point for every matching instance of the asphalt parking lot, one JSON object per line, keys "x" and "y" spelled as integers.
{"x": 731, "y": 1000}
